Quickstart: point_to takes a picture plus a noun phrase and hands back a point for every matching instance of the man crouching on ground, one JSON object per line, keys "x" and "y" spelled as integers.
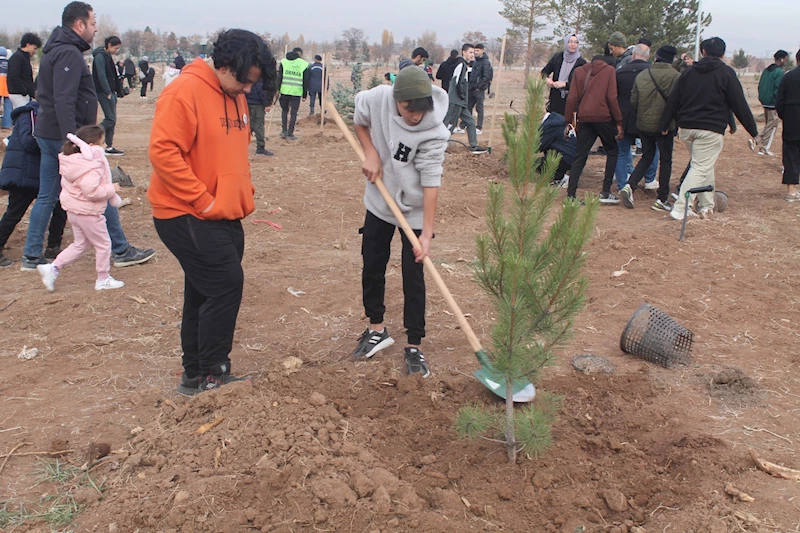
{"x": 404, "y": 139}
{"x": 201, "y": 189}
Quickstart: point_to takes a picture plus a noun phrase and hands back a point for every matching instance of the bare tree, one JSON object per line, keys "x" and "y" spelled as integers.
{"x": 387, "y": 46}
{"x": 354, "y": 39}
{"x": 429, "y": 42}
{"x": 527, "y": 18}
{"x": 475, "y": 37}
{"x": 105, "y": 28}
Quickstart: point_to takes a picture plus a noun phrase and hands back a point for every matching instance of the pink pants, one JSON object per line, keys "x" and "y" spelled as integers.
{"x": 88, "y": 230}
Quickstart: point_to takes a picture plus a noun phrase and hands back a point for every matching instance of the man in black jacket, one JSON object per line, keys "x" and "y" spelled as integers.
{"x": 788, "y": 106}
{"x": 130, "y": 73}
{"x": 445, "y": 71}
{"x": 67, "y": 101}
{"x": 626, "y": 75}
{"x": 108, "y": 87}
{"x": 701, "y": 105}
{"x": 20, "y": 74}
{"x": 482, "y": 74}
{"x": 179, "y": 61}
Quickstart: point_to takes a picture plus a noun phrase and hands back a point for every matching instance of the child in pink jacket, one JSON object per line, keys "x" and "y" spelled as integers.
{"x": 86, "y": 190}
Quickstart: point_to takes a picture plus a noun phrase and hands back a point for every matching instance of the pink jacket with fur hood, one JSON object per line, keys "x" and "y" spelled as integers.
{"x": 86, "y": 187}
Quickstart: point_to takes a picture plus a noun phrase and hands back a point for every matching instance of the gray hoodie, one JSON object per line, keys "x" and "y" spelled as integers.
{"x": 412, "y": 156}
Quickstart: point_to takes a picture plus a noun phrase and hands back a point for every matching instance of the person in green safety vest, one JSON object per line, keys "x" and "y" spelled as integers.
{"x": 293, "y": 80}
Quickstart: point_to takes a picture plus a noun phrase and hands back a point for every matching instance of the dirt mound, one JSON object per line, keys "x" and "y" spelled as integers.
{"x": 733, "y": 386}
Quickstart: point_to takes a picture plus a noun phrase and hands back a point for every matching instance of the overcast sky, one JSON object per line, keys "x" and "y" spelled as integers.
{"x": 758, "y": 26}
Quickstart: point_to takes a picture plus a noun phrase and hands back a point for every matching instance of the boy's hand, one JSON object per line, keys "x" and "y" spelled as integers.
{"x": 424, "y": 248}
{"x": 372, "y": 167}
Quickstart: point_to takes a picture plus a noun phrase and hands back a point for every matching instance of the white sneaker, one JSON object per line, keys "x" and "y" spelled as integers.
{"x": 706, "y": 213}
{"x": 678, "y": 215}
{"x": 108, "y": 283}
{"x": 651, "y": 185}
{"x": 458, "y": 130}
{"x": 565, "y": 182}
{"x": 478, "y": 132}
{"x": 753, "y": 145}
{"x": 49, "y": 275}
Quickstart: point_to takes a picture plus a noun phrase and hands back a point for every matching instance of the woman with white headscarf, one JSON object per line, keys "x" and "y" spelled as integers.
{"x": 561, "y": 66}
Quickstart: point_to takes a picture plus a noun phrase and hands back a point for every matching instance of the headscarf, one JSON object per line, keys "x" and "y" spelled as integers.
{"x": 569, "y": 61}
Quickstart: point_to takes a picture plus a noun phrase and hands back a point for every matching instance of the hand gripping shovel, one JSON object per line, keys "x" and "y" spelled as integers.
{"x": 687, "y": 195}
{"x": 524, "y": 391}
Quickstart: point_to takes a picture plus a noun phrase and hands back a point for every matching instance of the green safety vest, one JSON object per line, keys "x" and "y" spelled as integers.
{"x": 292, "y": 83}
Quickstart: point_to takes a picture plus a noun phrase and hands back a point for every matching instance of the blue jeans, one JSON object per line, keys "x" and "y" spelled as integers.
{"x": 49, "y": 189}
{"x": 625, "y": 163}
{"x": 7, "y": 107}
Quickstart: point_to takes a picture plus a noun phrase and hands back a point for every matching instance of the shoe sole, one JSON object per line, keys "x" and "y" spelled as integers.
{"x": 656, "y": 208}
{"x": 424, "y": 374}
{"x": 106, "y": 288}
{"x": 651, "y": 188}
{"x": 115, "y": 154}
{"x": 385, "y": 343}
{"x": 27, "y": 269}
{"x": 131, "y": 263}
{"x": 626, "y": 200}
{"x": 609, "y": 202}
{"x": 186, "y": 391}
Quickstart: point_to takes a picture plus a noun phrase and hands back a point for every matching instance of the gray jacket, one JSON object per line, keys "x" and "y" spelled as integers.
{"x": 412, "y": 156}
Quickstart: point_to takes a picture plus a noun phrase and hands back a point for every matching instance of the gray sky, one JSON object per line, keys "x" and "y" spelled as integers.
{"x": 758, "y": 26}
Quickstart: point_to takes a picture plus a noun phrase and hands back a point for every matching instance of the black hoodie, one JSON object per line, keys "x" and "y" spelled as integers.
{"x": 65, "y": 87}
{"x": 704, "y": 96}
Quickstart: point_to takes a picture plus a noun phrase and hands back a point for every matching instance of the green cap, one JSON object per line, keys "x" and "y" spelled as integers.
{"x": 618, "y": 39}
{"x": 412, "y": 83}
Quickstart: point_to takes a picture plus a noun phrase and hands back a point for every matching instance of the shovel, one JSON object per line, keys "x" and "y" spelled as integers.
{"x": 687, "y": 195}
{"x": 523, "y": 390}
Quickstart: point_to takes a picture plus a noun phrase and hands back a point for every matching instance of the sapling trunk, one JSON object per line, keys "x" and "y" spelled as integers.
{"x": 511, "y": 441}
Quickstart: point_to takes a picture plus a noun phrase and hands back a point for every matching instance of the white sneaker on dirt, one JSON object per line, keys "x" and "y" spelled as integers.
{"x": 766, "y": 152}
{"x": 108, "y": 283}
{"x": 706, "y": 213}
{"x": 651, "y": 185}
{"x": 478, "y": 132}
{"x": 679, "y": 215}
{"x": 49, "y": 275}
{"x": 458, "y": 130}
{"x": 626, "y": 195}
{"x": 752, "y": 144}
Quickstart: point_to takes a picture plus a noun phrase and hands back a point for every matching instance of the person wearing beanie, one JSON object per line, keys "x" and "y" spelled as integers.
{"x": 459, "y": 99}
{"x": 401, "y": 128}
{"x": 651, "y": 90}
{"x": 767, "y": 93}
{"x": 618, "y": 48}
{"x": 787, "y": 104}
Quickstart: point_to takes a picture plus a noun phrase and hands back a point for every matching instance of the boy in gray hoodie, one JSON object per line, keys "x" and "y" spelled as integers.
{"x": 404, "y": 139}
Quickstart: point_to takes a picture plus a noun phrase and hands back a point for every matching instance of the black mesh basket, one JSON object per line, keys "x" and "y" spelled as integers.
{"x": 655, "y": 336}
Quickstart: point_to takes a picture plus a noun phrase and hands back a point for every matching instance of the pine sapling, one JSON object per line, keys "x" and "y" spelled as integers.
{"x": 529, "y": 263}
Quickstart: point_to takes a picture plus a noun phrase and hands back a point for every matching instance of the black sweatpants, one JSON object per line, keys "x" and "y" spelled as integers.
{"x": 210, "y": 253}
{"x": 375, "y": 250}
{"x": 588, "y": 132}
{"x": 19, "y": 199}
{"x": 791, "y": 162}
{"x": 289, "y": 103}
{"x": 665, "y": 145}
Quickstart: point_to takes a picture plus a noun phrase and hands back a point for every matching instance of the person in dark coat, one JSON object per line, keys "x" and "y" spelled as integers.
{"x": 788, "y": 106}
{"x": 562, "y": 66}
{"x": 20, "y": 74}
{"x": 553, "y": 140}
{"x": 179, "y": 61}
{"x": 258, "y": 101}
{"x": 144, "y": 76}
{"x": 19, "y": 176}
{"x": 626, "y": 75}
{"x": 315, "y": 83}
{"x": 130, "y": 73}
{"x": 108, "y": 87}
{"x": 445, "y": 70}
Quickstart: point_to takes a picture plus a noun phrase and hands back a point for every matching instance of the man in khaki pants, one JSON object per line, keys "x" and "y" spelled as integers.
{"x": 767, "y": 92}
{"x": 701, "y": 105}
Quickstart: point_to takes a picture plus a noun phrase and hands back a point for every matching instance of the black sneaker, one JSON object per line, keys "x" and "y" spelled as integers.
{"x": 214, "y": 381}
{"x": 113, "y": 151}
{"x": 415, "y": 363}
{"x": 4, "y": 261}
{"x": 478, "y": 150}
{"x": 608, "y": 198}
{"x": 371, "y": 342}
{"x": 133, "y": 256}
{"x": 263, "y": 151}
{"x": 52, "y": 253}
{"x": 282, "y": 135}
{"x": 189, "y": 386}
{"x": 29, "y": 265}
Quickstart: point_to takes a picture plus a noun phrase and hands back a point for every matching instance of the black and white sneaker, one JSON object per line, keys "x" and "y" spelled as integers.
{"x": 189, "y": 386}
{"x": 662, "y": 206}
{"x": 113, "y": 151}
{"x": 608, "y": 198}
{"x": 478, "y": 150}
{"x": 415, "y": 363}
{"x": 371, "y": 342}
{"x": 626, "y": 194}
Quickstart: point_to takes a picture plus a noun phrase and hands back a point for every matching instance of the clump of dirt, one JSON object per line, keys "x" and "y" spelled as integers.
{"x": 733, "y": 386}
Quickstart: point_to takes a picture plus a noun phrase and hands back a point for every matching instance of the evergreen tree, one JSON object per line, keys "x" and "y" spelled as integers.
{"x": 740, "y": 59}
{"x": 344, "y": 96}
{"x": 532, "y": 273}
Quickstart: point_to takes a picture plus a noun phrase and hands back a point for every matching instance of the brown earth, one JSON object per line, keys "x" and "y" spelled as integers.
{"x": 320, "y": 443}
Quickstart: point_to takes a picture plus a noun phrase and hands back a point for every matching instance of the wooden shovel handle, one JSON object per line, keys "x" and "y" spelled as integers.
{"x": 412, "y": 237}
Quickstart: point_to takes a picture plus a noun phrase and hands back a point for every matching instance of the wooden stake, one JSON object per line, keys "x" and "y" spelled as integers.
{"x": 325, "y": 59}
{"x": 497, "y": 90}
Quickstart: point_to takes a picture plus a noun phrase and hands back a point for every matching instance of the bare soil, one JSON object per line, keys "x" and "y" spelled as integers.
{"x": 320, "y": 443}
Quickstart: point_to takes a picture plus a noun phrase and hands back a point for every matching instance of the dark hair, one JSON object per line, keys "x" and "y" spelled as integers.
{"x": 112, "y": 41}
{"x": 645, "y": 41}
{"x": 297, "y": 50}
{"x": 781, "y": 54}
{"x": 465, "y": 47}
{"x": 480, "y": 46}
{"x": 30, "y": 38}
{"x": 90, "y": 134}
{"x": 240, "y": 50}
{"x": 419, "y": 51}
{"x": 387, "y": 76}
{"x": 453, "y": 53}
{"x": 797, "y": 57}
{"x": 74, "y": 12}
{"x": 714, "y": 47}
{"x": 318, "y": 57}
{"x": 420, "y": 104}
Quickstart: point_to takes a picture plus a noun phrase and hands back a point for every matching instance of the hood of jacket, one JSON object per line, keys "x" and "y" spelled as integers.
{"x": 708, "y": 64}
{"x": 33, "y": 105}
{"x": 98, "y": 50}
{"x": 74, "y": 166}
{"x": 599, "y": 64}
{"x": 62, "y": 36}
{"x": 291, "y": 56}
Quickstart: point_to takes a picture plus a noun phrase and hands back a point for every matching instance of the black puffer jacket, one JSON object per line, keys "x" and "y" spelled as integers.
{"x": 21, "y": 162}
{"x": 65, "y": 88}
{"x": 788, "y": 105}
{"x": 626, "y": 77}
{"x": 20, "y": 74}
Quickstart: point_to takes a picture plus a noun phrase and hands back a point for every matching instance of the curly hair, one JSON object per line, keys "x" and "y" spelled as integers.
{"x": 240, "y": 50}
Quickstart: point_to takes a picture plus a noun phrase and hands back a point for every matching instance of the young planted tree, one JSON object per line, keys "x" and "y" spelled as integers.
{"x": 344, "y": 96}
{"x": 531, "y": 270}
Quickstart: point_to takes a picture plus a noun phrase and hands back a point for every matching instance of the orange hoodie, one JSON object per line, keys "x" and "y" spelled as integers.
{"x": 198, "y": 149}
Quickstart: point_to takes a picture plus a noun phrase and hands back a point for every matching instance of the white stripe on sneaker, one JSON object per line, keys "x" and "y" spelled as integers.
{"x": 380, "y": 346}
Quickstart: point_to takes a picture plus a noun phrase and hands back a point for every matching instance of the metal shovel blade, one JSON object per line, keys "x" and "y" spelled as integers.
{"x": 524, "y": 391}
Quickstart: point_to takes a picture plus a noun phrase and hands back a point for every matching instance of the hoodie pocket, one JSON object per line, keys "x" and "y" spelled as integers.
{"x": 233, "y": 197}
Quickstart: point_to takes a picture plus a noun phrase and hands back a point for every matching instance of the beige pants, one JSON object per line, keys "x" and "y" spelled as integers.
{"x": 765, "y": 139}
{"x": 705, "y": 147}
{"x": 18, "y": 100}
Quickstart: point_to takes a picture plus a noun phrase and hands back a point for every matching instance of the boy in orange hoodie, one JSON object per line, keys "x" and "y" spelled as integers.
{"x": 201, "y": 189}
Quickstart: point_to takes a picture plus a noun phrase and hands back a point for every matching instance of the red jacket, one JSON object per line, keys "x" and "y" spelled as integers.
{"x": 598, "y": 97}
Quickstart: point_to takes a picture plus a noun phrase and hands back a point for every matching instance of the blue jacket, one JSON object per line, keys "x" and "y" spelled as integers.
{"x": 21, "y": 162}
{"x": 257, "y": 96}
{"x": 553, "y": 138}
{"x": 315, "y": 77}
